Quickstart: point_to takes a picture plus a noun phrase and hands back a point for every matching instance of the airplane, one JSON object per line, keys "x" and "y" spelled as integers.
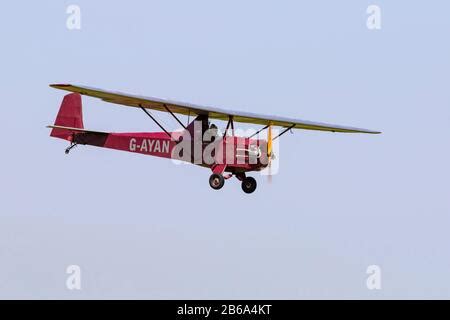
{"x": 229, "y": 154}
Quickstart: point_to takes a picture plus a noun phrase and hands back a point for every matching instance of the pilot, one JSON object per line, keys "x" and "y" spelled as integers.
{"x": 214, "y": 131}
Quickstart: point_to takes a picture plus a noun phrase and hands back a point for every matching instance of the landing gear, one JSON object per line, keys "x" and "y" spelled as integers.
{"x": 249, "y": 184}
{"x": 216, "y": 181}
{"x": 72, "y": 145}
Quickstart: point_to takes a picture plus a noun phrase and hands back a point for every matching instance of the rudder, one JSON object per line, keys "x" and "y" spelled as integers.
{"x": 70, "y": 114}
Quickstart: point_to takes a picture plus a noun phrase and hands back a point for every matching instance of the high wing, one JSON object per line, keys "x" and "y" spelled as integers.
{"x": 212, "y": 112}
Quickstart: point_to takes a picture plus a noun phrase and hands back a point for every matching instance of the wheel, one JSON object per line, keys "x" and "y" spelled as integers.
{"x": 249, "y": 184}
{"x": 216, "y": 181}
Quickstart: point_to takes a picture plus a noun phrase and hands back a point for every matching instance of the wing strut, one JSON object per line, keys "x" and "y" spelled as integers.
{"x": 230, "y": 123}
{"x": 178, "y": 120}
{"x": 154, "y": 120}
{"x": 284, "y": 131}
{"x": 257, "y": 132}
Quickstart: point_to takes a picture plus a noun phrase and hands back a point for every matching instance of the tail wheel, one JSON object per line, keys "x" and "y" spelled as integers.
{"x": 216, "y": 181}
{"x": 249, "y": 184}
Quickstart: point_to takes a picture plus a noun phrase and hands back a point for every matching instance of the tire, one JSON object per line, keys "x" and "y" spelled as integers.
{"x": 249, "y": 185}
{"x": 216, "y": 181}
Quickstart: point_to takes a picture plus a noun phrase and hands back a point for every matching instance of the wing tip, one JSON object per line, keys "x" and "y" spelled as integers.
{"x": 59, "y": 85}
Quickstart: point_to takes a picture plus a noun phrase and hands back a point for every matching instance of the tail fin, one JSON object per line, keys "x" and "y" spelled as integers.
{"x": 70, "y": 115}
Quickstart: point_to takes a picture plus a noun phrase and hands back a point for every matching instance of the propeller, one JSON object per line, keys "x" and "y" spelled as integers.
{"x": 270, "y": 155}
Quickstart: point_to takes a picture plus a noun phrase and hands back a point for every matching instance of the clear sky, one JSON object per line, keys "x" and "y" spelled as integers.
{"x": 142, "y": 227}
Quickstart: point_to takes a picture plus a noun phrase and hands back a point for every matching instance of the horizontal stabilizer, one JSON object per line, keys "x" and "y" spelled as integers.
{"x": 80, "y": 130}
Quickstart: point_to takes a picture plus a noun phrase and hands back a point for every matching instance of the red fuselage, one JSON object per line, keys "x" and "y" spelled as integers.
{"x": 232, "y": 154}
